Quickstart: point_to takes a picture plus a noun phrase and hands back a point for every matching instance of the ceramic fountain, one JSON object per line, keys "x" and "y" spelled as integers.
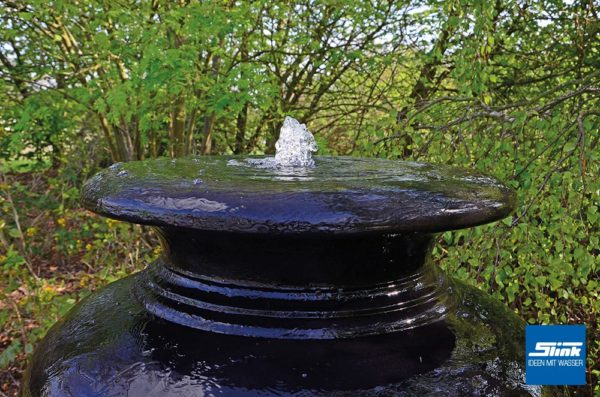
{"x": 288, "y": 275}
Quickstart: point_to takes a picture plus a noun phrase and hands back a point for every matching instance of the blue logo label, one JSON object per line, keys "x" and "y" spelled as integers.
{"x": 555, "y": 355}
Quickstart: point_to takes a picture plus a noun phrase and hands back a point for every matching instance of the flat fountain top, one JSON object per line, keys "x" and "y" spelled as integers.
{"x": 338, "y": 195}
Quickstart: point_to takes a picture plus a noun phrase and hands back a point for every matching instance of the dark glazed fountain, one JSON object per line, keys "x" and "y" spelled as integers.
{"x": 288, "y": 276}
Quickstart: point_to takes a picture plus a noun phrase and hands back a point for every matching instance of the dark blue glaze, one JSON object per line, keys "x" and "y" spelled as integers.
{"x": 321, "y": 285}
{"x": 340, "y": 195}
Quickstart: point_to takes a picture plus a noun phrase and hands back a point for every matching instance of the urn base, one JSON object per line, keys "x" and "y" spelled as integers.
{"x": 110, "y": 345}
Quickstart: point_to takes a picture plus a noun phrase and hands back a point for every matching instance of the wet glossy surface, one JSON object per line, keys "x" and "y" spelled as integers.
{"x": 376, "y": 320}
{"x": 338, "y": 195}
{"x": 109, "y": 345}
{"x": 286, "y": 287}
{"x": 288, "y": 282}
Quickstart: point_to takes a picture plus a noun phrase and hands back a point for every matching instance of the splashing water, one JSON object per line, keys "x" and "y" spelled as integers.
{"x": 295, "y": 145}
{"x": 293, "y": 149}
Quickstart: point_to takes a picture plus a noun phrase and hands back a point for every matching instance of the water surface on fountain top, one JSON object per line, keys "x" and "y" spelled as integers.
{"x": 338, "y": 195}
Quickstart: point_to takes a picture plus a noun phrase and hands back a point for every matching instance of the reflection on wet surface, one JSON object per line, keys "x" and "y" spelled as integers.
{"x": 278, "y": 280}
{"x": 110, "y": 346}
{"x": 338, "y": 195}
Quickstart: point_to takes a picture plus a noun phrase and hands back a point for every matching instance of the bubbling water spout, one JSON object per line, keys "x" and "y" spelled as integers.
{"x": 295, "y": 145}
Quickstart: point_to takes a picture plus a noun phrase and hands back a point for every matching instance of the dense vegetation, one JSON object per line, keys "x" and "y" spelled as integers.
{"x": 509, "y": 87}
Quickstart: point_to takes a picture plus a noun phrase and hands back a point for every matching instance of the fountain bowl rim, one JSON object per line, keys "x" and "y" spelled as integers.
{"x": 456, "y": 198}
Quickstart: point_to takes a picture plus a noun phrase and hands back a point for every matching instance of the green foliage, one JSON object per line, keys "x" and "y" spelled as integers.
{"x": 54, "y": 254}
{"x": 176, "y": 77}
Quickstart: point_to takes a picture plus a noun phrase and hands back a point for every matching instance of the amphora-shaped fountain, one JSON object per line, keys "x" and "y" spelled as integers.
{"x": 288, "y": 276}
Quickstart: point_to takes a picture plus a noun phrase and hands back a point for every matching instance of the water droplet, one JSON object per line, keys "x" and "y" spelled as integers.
{"x": 304, "y": 375}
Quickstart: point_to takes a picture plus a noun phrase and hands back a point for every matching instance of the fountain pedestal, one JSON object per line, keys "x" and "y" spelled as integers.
{"x": 285, "y": 281}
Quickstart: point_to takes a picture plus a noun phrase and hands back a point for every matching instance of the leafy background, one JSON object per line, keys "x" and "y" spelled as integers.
{"x": 511, "y": 88}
